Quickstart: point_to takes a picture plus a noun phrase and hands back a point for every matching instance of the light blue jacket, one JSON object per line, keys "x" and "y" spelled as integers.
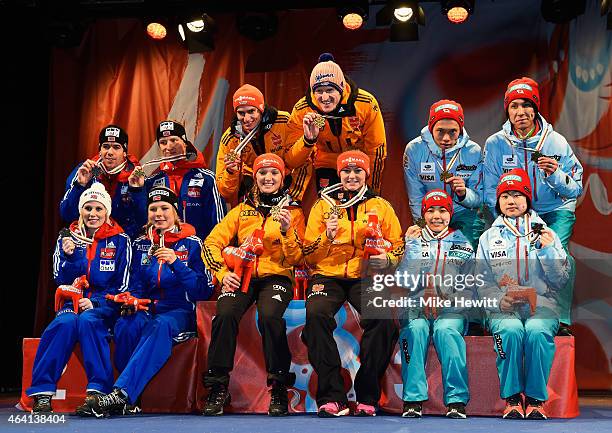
{"x": 501, "y": 252}
{"x": 558, "y": 191}
{"x": 422, "y": 168}
{"x": 449, "y": 257}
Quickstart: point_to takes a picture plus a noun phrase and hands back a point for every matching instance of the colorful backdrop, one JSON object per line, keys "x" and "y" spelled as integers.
{"x": 119, "y": 75}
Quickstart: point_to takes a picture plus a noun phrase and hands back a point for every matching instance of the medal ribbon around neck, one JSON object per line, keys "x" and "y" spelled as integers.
{"x": 115, "y": 170}
{"x": 80, "y": 237}
{"x": 158, "y": 161}
{"x": 336, "y": 207}
{"x": 428, "y": 235}
{"x": 539, "y": 145}
{"x": 447, "y": 167}
{"x": 530, "y": 235}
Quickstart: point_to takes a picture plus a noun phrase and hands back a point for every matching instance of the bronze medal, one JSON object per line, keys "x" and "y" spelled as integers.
{"x": 536, "y": 155}
{"x": 421, "y": 222}
{"x": 95, "y": 171}
{"x": 445, "y": 175}
{"x": 139, "y": 172}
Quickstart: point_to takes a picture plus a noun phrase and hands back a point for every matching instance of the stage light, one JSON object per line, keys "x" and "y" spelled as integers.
{"x": 197, "y": 33}
{"x": 354, "y": 14}
{"x": 562, "y": 11}
{"x": 156, "y": 30}
{"x": 403, "y": 13}
{"x": 457, "y": 11}
{"x": 257, "y": 26}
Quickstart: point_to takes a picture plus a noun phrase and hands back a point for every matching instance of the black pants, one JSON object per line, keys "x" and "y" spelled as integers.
{"x": 272, "y": 295}
{"x": 326, "y": 177}
{"x": 377, "y": 343}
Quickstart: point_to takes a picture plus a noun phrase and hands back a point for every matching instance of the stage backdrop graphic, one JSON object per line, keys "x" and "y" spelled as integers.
{"x": 119, "y": 75}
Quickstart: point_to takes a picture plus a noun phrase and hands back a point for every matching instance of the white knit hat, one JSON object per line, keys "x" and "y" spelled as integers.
{"x": 97, "y": 192}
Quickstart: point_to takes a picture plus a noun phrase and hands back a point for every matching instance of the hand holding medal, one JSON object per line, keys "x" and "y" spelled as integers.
{"x": 457, "y": 185}
{"x": 86, "y": 172}
{"x": 137, "y": 178}
{"x": 312, "y": 124}
{"x": 414, "y": 231}
{"x": 545, "y": 163}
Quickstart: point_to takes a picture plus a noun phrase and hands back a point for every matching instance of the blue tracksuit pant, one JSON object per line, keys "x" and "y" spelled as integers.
{"x": 525, "y": 351}
{"x": 448, "y": 330}
{"x": 90, "y": 329}
{"x": 153, "y": 335}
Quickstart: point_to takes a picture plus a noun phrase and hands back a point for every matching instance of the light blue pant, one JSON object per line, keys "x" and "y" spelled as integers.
{"x": 448, "y": 330}
{"x": 525, "y": 351}
{"x": 562, "y": 223}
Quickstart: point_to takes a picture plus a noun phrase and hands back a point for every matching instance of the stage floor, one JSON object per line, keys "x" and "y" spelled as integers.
{"x": 595, "y": 417}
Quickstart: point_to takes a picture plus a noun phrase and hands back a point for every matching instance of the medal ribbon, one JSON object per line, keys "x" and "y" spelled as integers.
{"x": 114, "y": 170}
{"x": 326, "y": 191}
{"x": 428, "y": 235}
{"x": 530, "y": 235}
{"x": 245, "y": 140}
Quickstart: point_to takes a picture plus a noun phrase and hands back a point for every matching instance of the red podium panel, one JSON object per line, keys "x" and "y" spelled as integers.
{"x": 177, "y": 388}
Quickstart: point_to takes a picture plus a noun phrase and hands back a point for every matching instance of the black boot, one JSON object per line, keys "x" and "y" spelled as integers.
{"x": 103, "y": 405}
{"x": 42, "y": 404}
{"x": 278, "y": 400}
{"x": 84, "y": 410}
{"x": 218, "y": 394}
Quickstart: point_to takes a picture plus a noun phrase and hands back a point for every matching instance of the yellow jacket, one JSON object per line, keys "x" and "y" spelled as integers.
{"x": 281, "y": 252}
{"x": 361, "y": 128}
{"x": 273, "y": 140}
{"x": 342, "y": 257}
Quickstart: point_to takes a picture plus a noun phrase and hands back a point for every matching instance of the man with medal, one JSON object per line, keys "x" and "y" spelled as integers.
{"x": 336, "y": 116}
{"x": 183, "y": 170}
{"x": 112, "y": 167}
{"x": 528, "y": 141}
{"x": 256, "y": 128}
{"x": 444, "y": 157}
{"x": 523, "y": 267}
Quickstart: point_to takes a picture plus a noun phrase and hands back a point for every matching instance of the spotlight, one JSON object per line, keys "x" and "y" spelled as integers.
{"x": 562, "y": 11}
{"x": 354, "y": 15}
{"x": 403, "y": 13}
{"x": 197, "y": 33}
{"x": 605, "y": 7}
{"x": 156, "y": 30}
{"x": 257, "y": 26}
{"x": 407, "y": 15}
{"x": 457, "y": 11}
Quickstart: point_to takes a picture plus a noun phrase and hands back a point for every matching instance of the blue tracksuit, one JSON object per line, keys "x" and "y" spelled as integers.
{"x": 453, "y": 256}
{"x": 127, "y": 203}
{"x": 199, "y": 202}
{"x": 144, "y": 340}
{"x": 558, "y": 191}
{"x": 524, "y": 344}
{"x": 423, "y": 164}
{"x": 107, "y": 273}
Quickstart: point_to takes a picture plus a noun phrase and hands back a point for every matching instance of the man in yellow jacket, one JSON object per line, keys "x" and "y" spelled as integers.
{"x": 234, "y": 170}
{"x": 352, "y": 120}
{"x": 334, "y": 245}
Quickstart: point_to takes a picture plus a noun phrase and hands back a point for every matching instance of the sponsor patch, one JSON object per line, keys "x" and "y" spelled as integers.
{"x": 279, "y": 288}
{"x": 107, "y": 265}
{"x": 354, "y": 122}
{"x": 318, "y": 287}
{"x": 194, "y": 192}
{"x": 278, "y": 298}
{"x": 159, "y": 182}
{"x": 425, "y": 254}
{"x": 166, "y": 126}
{"x": 509, "y": 161}
{"x": 183, "y": 256}
{"x": 428, "y": 168}
{"x": 108, "y": 253}
{"x": 196, "y": 182}
{"x": 145, "y": 259}
{"x": 427, "y": 177}
{"x": 498, "y": 254}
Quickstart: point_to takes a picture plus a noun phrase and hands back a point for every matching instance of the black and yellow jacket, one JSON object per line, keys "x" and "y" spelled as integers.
{"x": 342, "y": 257}
{"x": 271, "y": 138}
{"x": 281, "y": 252}
{"x": 361, "y": 127}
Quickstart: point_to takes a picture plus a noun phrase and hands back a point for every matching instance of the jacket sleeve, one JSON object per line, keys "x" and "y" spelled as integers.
{"x": 192, "y": 274}
{"x": 123, "y": 260}
{"x": 553, "y": 260}
{"x": 375, "y": 145}
{"x": 473, "y": 193}
{"x": 68, "y": 267}
{"x": 316, "y": 242}
{"x": 297, "y": 150}
{"x": 212, "y": 202}
{"x": 137, "y": 285}
{"x": 414, "y": 187}
{"x": 392, "y": 231}
{"x": 219, "y": 238}
{"x": 567, "y": 179}
{"x": 228, "y": 183}
{"x": 486, "y": 284}
{"x": 491, "y": 170}
{"x": 291, "y": 243}
{"x": 69, "y": 206}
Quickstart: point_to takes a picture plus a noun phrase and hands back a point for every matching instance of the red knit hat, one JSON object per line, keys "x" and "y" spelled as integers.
{"x": 522, "y": 88}
{"x": 445, "y": 109}
{"x": 516, "y": 179}
{"x": 269, "y": 160}
{"x": 353, "y": 158}
{"x": 436, "y": 197}
{"x": 248, "y": 95}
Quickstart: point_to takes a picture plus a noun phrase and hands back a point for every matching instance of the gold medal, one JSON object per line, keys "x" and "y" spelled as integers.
{"x": 233, "y": 156}
{"x": 319, "y": 121}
